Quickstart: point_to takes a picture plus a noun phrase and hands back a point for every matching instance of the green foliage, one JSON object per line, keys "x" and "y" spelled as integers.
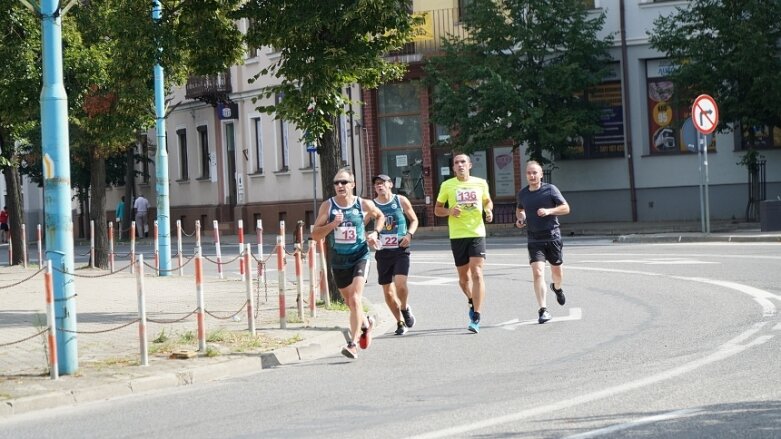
{"x": 324, "y": 46}
{"x": 519, "y": 76}
{"x": 728, "y": 49}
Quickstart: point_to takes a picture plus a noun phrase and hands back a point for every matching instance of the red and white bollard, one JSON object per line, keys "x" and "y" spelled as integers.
{"x": 241, "y": 248}
{"x": 197, "y": 236}
{"x": 248, "y": 285}
{"x": 325, "y": 294}
{"x": 312, "y": 263}
{"x": 282, "y": 281}
{"x": 132, "y": 247}
{"x": 40, "y": 247}
{"x": 142, "y": 335}
{"x": 200, "y": 313}
{"x": 217, "y": 248}
{"x": 299, "y": 282}
{"x": 51, "y": 337}
{"x": 259, "y": 232}
{"x": 179, "y": 246}
{"x": 111, "y": 246}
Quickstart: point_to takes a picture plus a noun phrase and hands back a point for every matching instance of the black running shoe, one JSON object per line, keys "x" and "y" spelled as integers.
{"x": 401, "y": 328}
{"x": 559, "y": 294}
{"x": 544, "y": 316}
{"x": 409, "y": 319}
{"x": 350, "y": 351}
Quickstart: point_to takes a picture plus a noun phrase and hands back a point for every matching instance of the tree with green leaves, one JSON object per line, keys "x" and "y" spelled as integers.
{"x": 730, "y": 50}
{"x": 115, "y": 100}
{"x": 20, "y": 90}
{"x": 519, "y": 76}
{"x": 109, "y": 50}
{"x": 325, "y": 46}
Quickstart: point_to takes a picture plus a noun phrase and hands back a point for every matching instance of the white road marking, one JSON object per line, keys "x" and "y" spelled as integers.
{"x": 762, "y": 297}
{"x": 512, "y": 325}
{"x": 435, "y": 281}
{"x": 637, "y": 422}
{"x": 652, "y": 261}
{"x": 728, "y": 349}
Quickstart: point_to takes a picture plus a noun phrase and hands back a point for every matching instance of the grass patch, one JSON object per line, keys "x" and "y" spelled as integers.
{"x": 114, "y": 362}
{"x": 161, "y": 338}
{"x": 294, "y": 318}
{"x": 337, "y": 306}
{"x": 221, "y": 341}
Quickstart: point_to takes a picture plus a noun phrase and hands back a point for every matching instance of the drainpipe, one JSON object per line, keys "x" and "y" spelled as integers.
{"x": 627, "y": 113}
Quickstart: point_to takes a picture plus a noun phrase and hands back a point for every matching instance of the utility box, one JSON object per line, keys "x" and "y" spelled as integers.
{"x": 770, "y": 215}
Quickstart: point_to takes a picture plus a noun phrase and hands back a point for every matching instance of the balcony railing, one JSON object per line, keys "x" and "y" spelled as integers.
{"x": 439, "y": 23}
{"x": 211, "y": 89}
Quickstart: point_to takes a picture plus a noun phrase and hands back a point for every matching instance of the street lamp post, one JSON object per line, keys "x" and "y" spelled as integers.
{"x": 56, "y": 183}
{"x": 161, "y": 163}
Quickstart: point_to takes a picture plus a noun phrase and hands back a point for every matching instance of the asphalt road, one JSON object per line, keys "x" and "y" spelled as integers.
{"x": 656, "y": 340}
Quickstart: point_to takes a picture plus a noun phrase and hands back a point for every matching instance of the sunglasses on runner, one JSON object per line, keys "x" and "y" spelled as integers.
{"x": 341, "y": 182}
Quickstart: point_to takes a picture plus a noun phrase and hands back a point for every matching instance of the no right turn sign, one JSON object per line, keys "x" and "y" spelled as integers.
{"x": 705, "y": 114}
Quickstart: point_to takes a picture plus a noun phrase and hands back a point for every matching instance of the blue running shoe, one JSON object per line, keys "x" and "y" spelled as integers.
{"x": 474, "y": 326}
{"x": 471, "y": 312}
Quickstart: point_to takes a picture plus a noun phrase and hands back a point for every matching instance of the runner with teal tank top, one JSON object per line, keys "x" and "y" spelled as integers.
{"x": 463, "y": 200}
{"x": 342, "y": 220}
{"x": 393, "y": 259}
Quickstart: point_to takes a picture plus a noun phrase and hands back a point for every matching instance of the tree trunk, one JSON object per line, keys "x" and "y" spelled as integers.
{"x": 330, "y": 163}
{"x": 97, "y": 211}
{"x": 15, "y": 206}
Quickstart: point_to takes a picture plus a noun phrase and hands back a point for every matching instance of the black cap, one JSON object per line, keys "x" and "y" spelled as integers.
{"x": 382, "y": 177}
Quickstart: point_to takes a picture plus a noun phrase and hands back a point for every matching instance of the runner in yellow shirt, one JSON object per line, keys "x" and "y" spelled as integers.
{"x": 463, "y": 200}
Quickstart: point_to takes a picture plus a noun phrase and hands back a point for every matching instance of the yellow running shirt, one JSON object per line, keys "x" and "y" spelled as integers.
{"x": 469, "y": 197}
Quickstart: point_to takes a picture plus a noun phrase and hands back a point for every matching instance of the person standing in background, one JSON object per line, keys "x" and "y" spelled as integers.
{"x": 141, "y": 207}
{"x": 538, "y": 207}
{"x": 119, "y": 214}
{"x": 393, "y": 256}
{"x": 4, "y": 224}
{"x": 467, "y": 198}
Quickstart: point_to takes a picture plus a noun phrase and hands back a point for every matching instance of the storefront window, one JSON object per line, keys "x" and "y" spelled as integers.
{"x": 670, "y": 126}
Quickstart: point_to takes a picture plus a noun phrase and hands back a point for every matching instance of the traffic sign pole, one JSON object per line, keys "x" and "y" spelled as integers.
{"x": 705, "y": 116}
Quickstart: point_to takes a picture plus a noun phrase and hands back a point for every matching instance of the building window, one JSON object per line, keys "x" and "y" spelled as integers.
{"x": 463, "y": 7}
{"x": 183, "y": 171}
{"x": 282, "y": 135}
{"x": 252, "y": 51}
{"x": 764, "y": 138}
{"x": 257, "y": 140}
{"x": 610, "y": 141}
{"x": 398, "y": 115}
{"x": 203, "y": 139}
{"x": 401, "y": 136}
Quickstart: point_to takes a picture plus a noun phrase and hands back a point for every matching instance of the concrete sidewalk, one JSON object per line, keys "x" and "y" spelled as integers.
{"x": 108, "y": 341}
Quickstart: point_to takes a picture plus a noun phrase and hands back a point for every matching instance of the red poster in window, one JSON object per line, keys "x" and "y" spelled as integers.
{"x": 663, "y": 117}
